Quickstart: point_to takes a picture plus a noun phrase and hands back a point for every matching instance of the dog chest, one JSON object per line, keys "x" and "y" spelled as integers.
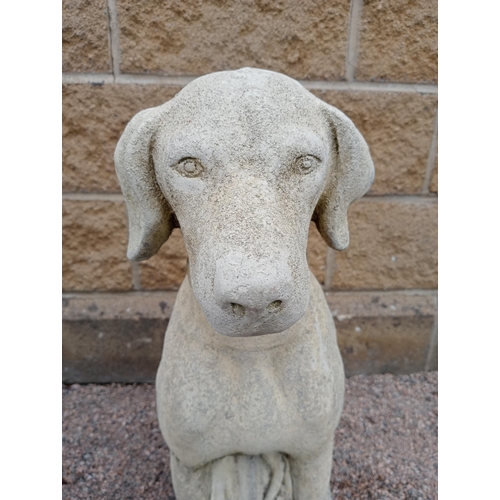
{"x": 214, "y": 402}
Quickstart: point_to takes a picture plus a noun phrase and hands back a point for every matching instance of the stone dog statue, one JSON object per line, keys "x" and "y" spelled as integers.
{"x": 251, "y": 383}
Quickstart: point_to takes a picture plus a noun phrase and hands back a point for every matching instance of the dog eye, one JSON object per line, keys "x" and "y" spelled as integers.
{"x": 189, "y": 167}
{"x": 306, "y": 164}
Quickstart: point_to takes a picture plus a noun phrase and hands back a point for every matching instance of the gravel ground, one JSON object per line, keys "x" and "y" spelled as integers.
{"x": 385, "y": 446}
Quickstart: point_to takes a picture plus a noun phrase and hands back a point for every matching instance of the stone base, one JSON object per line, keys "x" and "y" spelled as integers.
{"x": 119, "y": 337}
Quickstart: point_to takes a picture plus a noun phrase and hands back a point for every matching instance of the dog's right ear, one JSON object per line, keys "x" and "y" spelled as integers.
{"x": 149, "y": 214}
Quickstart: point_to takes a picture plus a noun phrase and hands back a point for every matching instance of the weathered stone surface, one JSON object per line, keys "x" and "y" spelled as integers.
{"x": 112, "y": 350}
{"x": 167, "y": 268}
{"x": 93, "y": 119}
{"x": 85, "y": 46}
{"x": 304, "y": 39}
{"x": 398, "y": 41}
{"x": 398, "y": 128}
{"x": 250, "y": 372}
{"x": 94, "y": 246}
{"x": 241, "y": 159}
{"x": 393, "y": 245}
{"x": 273, "y": 383}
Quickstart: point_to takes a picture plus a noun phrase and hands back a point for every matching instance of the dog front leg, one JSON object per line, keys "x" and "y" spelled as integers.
{"x": 226, "y": 478}
{"x": 251, "y": 477}
{"x": 190, "y": 483}
{"x": 311, "y": 475}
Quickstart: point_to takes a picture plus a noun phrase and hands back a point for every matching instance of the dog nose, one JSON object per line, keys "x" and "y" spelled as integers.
{"x": 250, "y": 300}
{"x": 247, "y": 288}
{"x": 239, "y": 310}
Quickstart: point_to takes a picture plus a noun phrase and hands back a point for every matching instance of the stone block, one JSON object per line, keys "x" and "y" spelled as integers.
{"x": 85, "y": 41}
{"x": 303, "y": 39}
{"x": 123, "y": 306}
{"x": 393, "y": 245}
{"x": 118, "y": 337}
{"x": 94, "y": 117}
{"x": 112, "y": 350}
{"x": 114, "y": 337}
{"x": 432, "y": 355}
{"x": 383, "y": 332}
{"x": 384, "y": 345}
{"x": 398, "y": 128}
{"x": 94, "y": 246}
{"x": 398, "y": 41}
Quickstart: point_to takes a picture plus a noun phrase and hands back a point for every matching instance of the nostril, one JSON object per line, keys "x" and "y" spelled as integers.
{"x": 275, "y": 306}
{"x": 238, "y": 310}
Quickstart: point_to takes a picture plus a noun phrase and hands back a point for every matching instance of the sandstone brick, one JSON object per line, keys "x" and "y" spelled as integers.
{"x": 398, "y": 128}
{"x": 94, "y": 246}
{"x": 398, "y": 41}
{"x": 303, "y": 39}
{"x": 393, "y": 245}
{"x": 162, "y": 273}
{"x": 433, "y": 185}
{"x": 316, "y": 253}
{"x": 94, "y": 117}
{"x": 167, "y": 269}
{"x": 85, "y": 45}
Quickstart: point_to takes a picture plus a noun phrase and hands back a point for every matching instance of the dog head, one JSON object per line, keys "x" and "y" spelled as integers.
{"x": 242, "y": 161}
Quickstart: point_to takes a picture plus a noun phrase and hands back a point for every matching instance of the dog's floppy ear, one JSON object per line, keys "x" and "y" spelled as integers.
{"x": 149, "y": 214}
{"x": 352, "y": 176}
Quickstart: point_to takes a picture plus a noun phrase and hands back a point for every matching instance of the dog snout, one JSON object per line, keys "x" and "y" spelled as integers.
{"x": 252, "y": 288}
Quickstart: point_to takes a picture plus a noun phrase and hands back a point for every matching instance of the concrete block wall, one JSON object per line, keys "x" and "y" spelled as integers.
{"x": 376, "y": 60}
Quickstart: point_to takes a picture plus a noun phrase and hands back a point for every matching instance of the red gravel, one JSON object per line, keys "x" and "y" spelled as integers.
{"x": 385, "y": 448}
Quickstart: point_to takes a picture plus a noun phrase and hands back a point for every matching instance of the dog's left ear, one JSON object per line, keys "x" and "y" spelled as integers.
{"x": 351, "y": 177}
